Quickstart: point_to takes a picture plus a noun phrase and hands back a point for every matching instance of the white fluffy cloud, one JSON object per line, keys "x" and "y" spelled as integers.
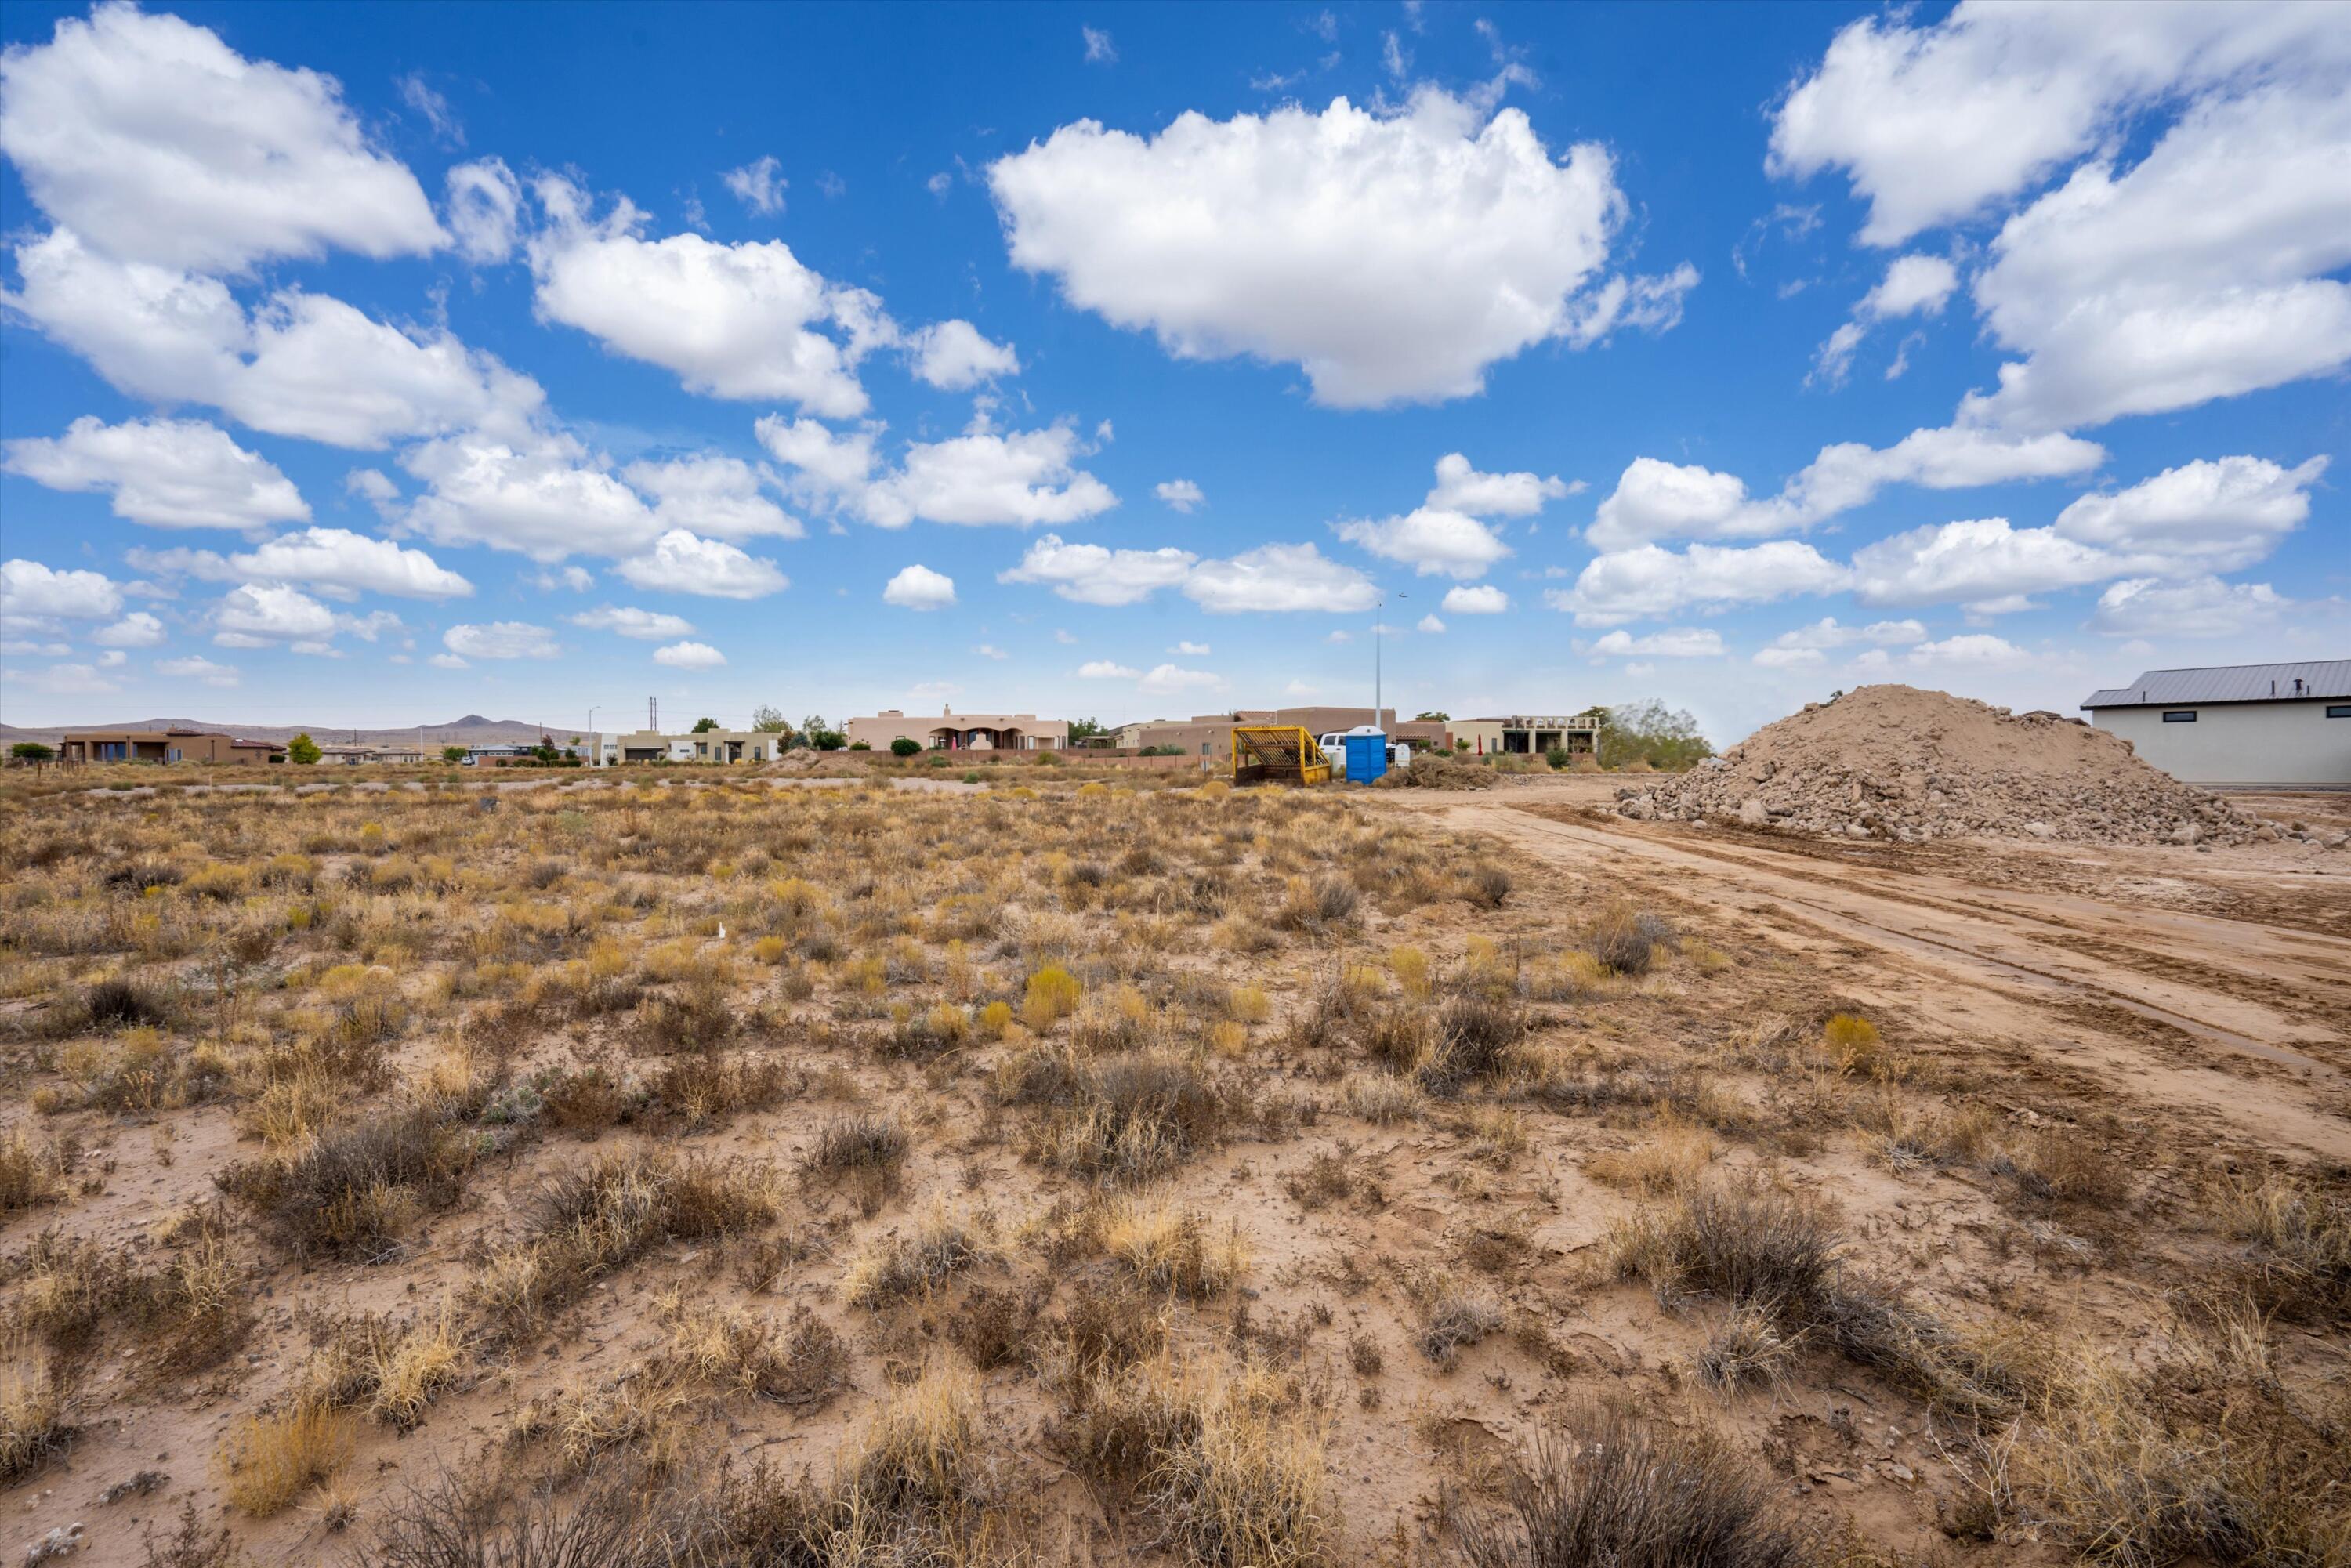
{"x": 917, "y": 587}
{"x": 1650, "y": 580}
{"x": 1107, "y": 669}
{"x": 1095, "y": 574}
{"x": 828, "y": 467}
{"x": 1981, "y": 561}
{"x": 689, "y": 656}
{"x": 684, "y": 562}
{"x": 170, "y": 473}
{"x": 1429, "y": 624}
{"x": 953, "y": 357}
{"x": 338, "y": 560}
{"x": 485, "y": 207}
{"x": 759, "y": 184}
{"x": 1485, "y": 600}
{"x": 499, "y": 640}
{"x": 1655, "y": 499}
{"x": 1279, "y": 576}
{"x": 1679, "y": 643}
{"x": 303, "y": 364}
{"x": 1977, "y": 648}
{"x": 157, "y": 143}
{"x": 2202, "y": 607}
{"x": 35, "y": 599}
{"x": 1432, "y": 542}
{"x": 1461, "y": 488}
{"x": 1827, "y": 633}
{"x": 745, "y": 320}
{"x": 136, "y": 630}
{"x": 1172, "y": 680}
{"x": 542, "y": 494}
{"x": 195, "y": 667}
{"x": 1180, "y": 494}
{"x": 2217, "y": 515}
{"x": 645, "y": 625}
{"x": 719, "y": 497}
{"x": 1024, "y": 479}
{"x": 1394, "y": 256}
{"x": 259, "y": 613}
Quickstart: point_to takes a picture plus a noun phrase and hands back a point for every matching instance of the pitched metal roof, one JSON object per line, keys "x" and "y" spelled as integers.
{"x": 2232, "y": 683}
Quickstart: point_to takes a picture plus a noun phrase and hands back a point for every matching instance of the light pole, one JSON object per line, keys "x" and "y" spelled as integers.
{"x": 1379, "y": 615}
{"x": 595, "y": 741}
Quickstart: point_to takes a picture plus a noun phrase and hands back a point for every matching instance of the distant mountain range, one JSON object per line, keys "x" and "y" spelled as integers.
{"x": 471, "y": 729}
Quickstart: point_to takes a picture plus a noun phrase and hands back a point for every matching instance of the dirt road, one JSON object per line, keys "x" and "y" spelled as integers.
{"x": 2108, "y": 972}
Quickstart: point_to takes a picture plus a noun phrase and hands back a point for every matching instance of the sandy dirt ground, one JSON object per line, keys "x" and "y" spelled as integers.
{"x": 2166, "y": 1017}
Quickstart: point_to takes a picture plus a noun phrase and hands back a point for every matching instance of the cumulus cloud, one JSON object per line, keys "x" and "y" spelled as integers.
{"x": 1024, "y": 479}
{"x": 1432, "y": 542}
{"x": 1461, "y": 488}
{"x": 1279, "y": 576}
{"x": 1430, "y": 625}
{"x": 302, "y": 365}
{"x": 2202, "y": 270}
{"x": 645, "y": 625}
{"x": 259, "y": 613}
{"x": 1106, "y": 670}
{"x": 170, "y": 474}
{"x": 759, "y": 184}
{"x": 1651, "y": 581}
{"x": 499, "y": 640}
{"x": 1679, "y": 642}
{"x": 1191, "y": 650}
{"x": 157, "y": 143}
{"x": 195, "y": 667}
{"x": 1977, "y": 648}
{"x": 689, "y": 656}
{"x": 745, "y": 320}
{"x": 338, "y": 562}
{"x": 1485, "y": 600}
{"x": 718, "y": 497}
{"x": 1394, "y": 256}
{"x": 1180, "y": 494}
{"x": 1171, "y": 680}
{"x": 2200, "y": 607}
{"x": 953, "y": 357}
{"x": 1982, "y": 561}
{"x": 1827, "y": 633}
{"x": 485, "y": 210}
{"x": 1655, "y": 500}
{"x": 543, "y": 495}
{"x": 2219, "y": 515}
{"x": 1095, "y": 574}
{"x": 136, "y": 630}
{"x": 918, "y": 587}
{"x": 35, "y": 599}
{"x": 684, "y": 562}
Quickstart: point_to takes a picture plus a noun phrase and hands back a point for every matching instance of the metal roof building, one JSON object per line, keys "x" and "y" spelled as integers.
{"x": 2284, "y": 724}
{"x": 2232, "y": 683}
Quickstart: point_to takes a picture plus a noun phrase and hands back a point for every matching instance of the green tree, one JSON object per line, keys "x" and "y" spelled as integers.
{"x": 1649, "y": 731}
{"x": 452, "y": 753}
{"x": 31, "y": 752}
{"x": 814, "y": 731}
{"x": 302, "y": 749}
{"x": 765, "y": 720}
{"x": 1432, "y": 718}
{"x": 703, "y": 725}
{"x": 904, "y": 746}
{"x": 1085, "y": 729}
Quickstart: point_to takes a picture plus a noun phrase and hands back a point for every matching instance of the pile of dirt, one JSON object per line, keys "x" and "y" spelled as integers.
{"x": 1431, "y": 772}
{"x": 1900, "y": 763}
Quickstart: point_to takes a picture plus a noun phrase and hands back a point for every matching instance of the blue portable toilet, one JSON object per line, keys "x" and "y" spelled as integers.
{"x": 1367, "y": 758}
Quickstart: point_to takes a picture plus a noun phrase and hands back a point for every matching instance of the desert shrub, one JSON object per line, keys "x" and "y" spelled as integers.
{"x": 699, "y": 1019}
{"x": 1052, "y": 994}
{"x": 2064, "y": 1165}
{"x": 1122, "y": 1118}
{"x": 1238, "y": 1481}
{"x": 1749, "y": 1347}
{"x": 619, "y": 1520}
{"x": 32, "y": 1173}
{"x": 1474, "y": 1032}
{"x": 1740, "y": 1240}
{"x": 33, "y": 1400}
{"x": 800, "y": 1362}
{"x": 1617, "y": 1491}
{"x": 940, "y": 1245}
{"x": 1486, "y": 886}
{"x": 1624, "y": 940}
{"x": 861, "y": 1145}
{"x": 1454, "y": 1316}
{"x": 1317, "y": 905}
{"x": 268, "y": 1460}
{"x": 2298, "y": 1239}
{"x": 1169, "y": 1248}
{"x": 123, "y": 1003}
{"x": 352, "y": 1192}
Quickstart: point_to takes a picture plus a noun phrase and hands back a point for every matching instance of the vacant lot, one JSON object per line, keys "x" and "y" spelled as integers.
{"x": 736, "y": 1173}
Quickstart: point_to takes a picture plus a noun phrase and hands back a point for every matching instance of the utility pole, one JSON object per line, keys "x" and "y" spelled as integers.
{"x": 1379, "y": 616}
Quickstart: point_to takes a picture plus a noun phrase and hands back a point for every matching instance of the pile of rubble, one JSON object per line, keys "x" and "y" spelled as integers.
{"x": 1894, "y": 762}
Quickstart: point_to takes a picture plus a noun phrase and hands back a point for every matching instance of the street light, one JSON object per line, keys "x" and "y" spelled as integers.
{"x": 1379, "y": 615}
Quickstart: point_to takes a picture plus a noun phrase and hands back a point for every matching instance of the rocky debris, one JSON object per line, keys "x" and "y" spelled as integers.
{"x": 62, "y": 1542}
{"x": 139, "y": 1485}
{"x": 1894, "y": 762}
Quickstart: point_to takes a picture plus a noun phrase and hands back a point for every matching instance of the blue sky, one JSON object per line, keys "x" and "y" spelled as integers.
{"x": 374, "y": 364}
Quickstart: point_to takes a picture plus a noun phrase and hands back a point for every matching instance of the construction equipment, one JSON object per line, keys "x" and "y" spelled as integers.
{"x": 1276, "y": 754}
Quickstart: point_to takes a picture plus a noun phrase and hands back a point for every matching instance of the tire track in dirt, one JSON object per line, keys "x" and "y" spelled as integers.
{"x": 2257, "y": 1071}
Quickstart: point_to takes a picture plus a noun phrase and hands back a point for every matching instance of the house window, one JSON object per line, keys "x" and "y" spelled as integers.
{"x": 2180, "y": 716}
{"x": 2339, "y": 710}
